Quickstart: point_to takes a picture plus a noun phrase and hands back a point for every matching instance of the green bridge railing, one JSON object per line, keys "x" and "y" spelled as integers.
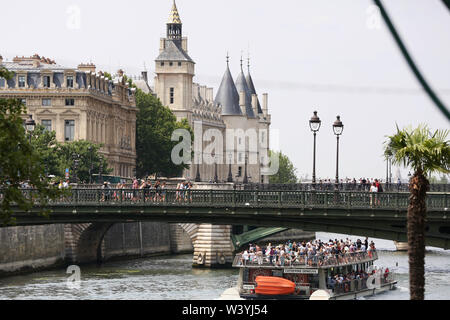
{"x": 243, "y": 198}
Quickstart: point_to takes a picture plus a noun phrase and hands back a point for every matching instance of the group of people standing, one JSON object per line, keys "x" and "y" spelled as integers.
{"x": 312, "y": 253}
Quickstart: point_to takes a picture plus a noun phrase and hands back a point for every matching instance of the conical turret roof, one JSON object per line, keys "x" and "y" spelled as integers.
{"x": 252, "y": 89}
{"x": 241, "y": 85}
{"x": 174, "y": 16}
{"x": 227, "y": 95}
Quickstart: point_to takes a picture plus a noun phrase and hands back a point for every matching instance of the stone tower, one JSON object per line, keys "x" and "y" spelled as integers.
{"x": 175, "y": 69}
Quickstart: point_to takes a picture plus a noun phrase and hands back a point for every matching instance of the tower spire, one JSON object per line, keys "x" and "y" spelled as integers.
{"x": 174, "y": 16}
{"x": 174, "y": 25}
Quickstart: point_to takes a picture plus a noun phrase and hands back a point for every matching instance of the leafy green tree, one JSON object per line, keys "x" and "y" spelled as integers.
{"x": 87, "y": 154}
{"x": 19, "y": 162}
{"x": 155, "y": 124}
{"x": 425, "y": 152}
{"x": 45, "y": 144}
{"x": 287, "y": 173}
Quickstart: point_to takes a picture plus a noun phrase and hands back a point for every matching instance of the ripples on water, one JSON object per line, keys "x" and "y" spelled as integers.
{"x": 173, "y": 278}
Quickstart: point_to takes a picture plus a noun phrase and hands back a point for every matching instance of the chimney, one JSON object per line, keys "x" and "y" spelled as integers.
{"x": 265, "y": 104}
{"x": 255, "y": 104}
{"x": 242, "y": 102}
{"x": 89, "y": 67}
{"x": 145, "y": 76}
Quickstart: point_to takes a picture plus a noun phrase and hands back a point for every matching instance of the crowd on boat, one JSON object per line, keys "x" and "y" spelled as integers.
{"x": 355, "y": 280}
{"x": 312, "y": 253}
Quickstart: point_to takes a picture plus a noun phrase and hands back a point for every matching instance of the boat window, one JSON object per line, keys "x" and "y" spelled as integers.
{"x": 277, "y": 273}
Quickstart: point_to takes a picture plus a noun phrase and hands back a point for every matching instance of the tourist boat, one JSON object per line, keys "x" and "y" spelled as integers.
{"x": 301, "y": 278}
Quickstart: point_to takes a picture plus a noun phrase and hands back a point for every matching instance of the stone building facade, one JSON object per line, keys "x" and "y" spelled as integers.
{"x": 78, "y": 104}
{"x": 235, "y": 109}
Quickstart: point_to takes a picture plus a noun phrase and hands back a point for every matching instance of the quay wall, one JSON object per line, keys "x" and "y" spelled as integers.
{"x": 33, "y": 248}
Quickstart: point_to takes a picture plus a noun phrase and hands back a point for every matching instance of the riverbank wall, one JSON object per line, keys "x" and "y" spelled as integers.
{"x": 34, "y": 248}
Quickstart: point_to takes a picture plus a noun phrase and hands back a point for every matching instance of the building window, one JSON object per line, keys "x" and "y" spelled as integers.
{"x": 70, "y": 102}
{"x": 162, "y": 64}
{"x": 172, "y": 93}
{"x": 240, "y": 157}
{"x": 69, "y": 130}
{"x": 23, "y": 101}
{"x": 69, "y": 81}
{"x": 179, "y": 64}
{"x": 239, "y": 171}
{"x": 21, "y": 81}
{"x": 46, "y": 102}
{"x": 170, "y": 63}
{"x": 46, "y": 81}
{"x": 47, "y": 124}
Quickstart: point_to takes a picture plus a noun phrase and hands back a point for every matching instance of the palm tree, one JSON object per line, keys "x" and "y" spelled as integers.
{"x": 425, "y": 152}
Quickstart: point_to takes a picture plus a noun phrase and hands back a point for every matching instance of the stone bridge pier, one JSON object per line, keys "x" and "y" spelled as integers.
{"x": 212, "y": 244}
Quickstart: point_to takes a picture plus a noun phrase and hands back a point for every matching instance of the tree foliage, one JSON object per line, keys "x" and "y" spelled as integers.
{"x": 155, "y": 124}
{"x": 420, "y": 149}
{"x": 287, "y": 173}
{"x": 87, "y": 153}
{"x": 19, "y": 162}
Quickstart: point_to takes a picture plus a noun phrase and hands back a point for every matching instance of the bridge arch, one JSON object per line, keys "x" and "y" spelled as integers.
{"x": 84, "y": 241}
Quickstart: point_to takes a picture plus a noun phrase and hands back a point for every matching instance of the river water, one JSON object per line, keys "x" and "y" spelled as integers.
{"x": 173, "y": 278}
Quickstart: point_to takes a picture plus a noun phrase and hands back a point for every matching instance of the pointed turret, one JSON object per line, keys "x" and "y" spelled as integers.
{"x": 251, "y": 86}
{"x": 174, "y": 25}
{"x": 227, "y": 95}
{"x": 241, "y": 85}
{"x": 174, "y": 16}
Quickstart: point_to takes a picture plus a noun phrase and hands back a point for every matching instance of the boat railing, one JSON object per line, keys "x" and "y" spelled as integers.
{"x": 361, "y": 283}
{"x": 305, "y": 261}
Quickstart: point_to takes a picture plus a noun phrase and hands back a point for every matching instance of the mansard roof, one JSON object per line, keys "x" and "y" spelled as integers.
{"x": 241, "y": 85}
{"x": 252, "y": 89}
{"x": 227, "y": 95}
{"x": 173, "y": 52}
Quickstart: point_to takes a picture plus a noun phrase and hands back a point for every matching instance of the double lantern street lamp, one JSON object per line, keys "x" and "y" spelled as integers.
{"x": 338, "y": 128}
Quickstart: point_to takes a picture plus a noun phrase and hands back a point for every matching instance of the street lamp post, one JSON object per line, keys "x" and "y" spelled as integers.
{"x": 30, "y": 124}
{"x": 230, "y": 174}
{"x": 75, "y": 166}
{"x": 100, "y": 171}
{"x": 245, "y": 181}
{"x": 314, "y": 124}
{"x": 338, "y": 127}
{"x": 197, "y": 176}
{"x": 216, "y": 178}
{"x": 90, "y": 164}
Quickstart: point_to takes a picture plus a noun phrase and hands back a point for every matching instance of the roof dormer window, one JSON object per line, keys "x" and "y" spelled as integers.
{"x": 69, "y": 81}
{"x": 21, "y": 81}
{"x": 46, "y": 81}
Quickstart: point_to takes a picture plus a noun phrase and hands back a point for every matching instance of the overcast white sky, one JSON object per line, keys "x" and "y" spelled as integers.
{"x": 335, "y": 57}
